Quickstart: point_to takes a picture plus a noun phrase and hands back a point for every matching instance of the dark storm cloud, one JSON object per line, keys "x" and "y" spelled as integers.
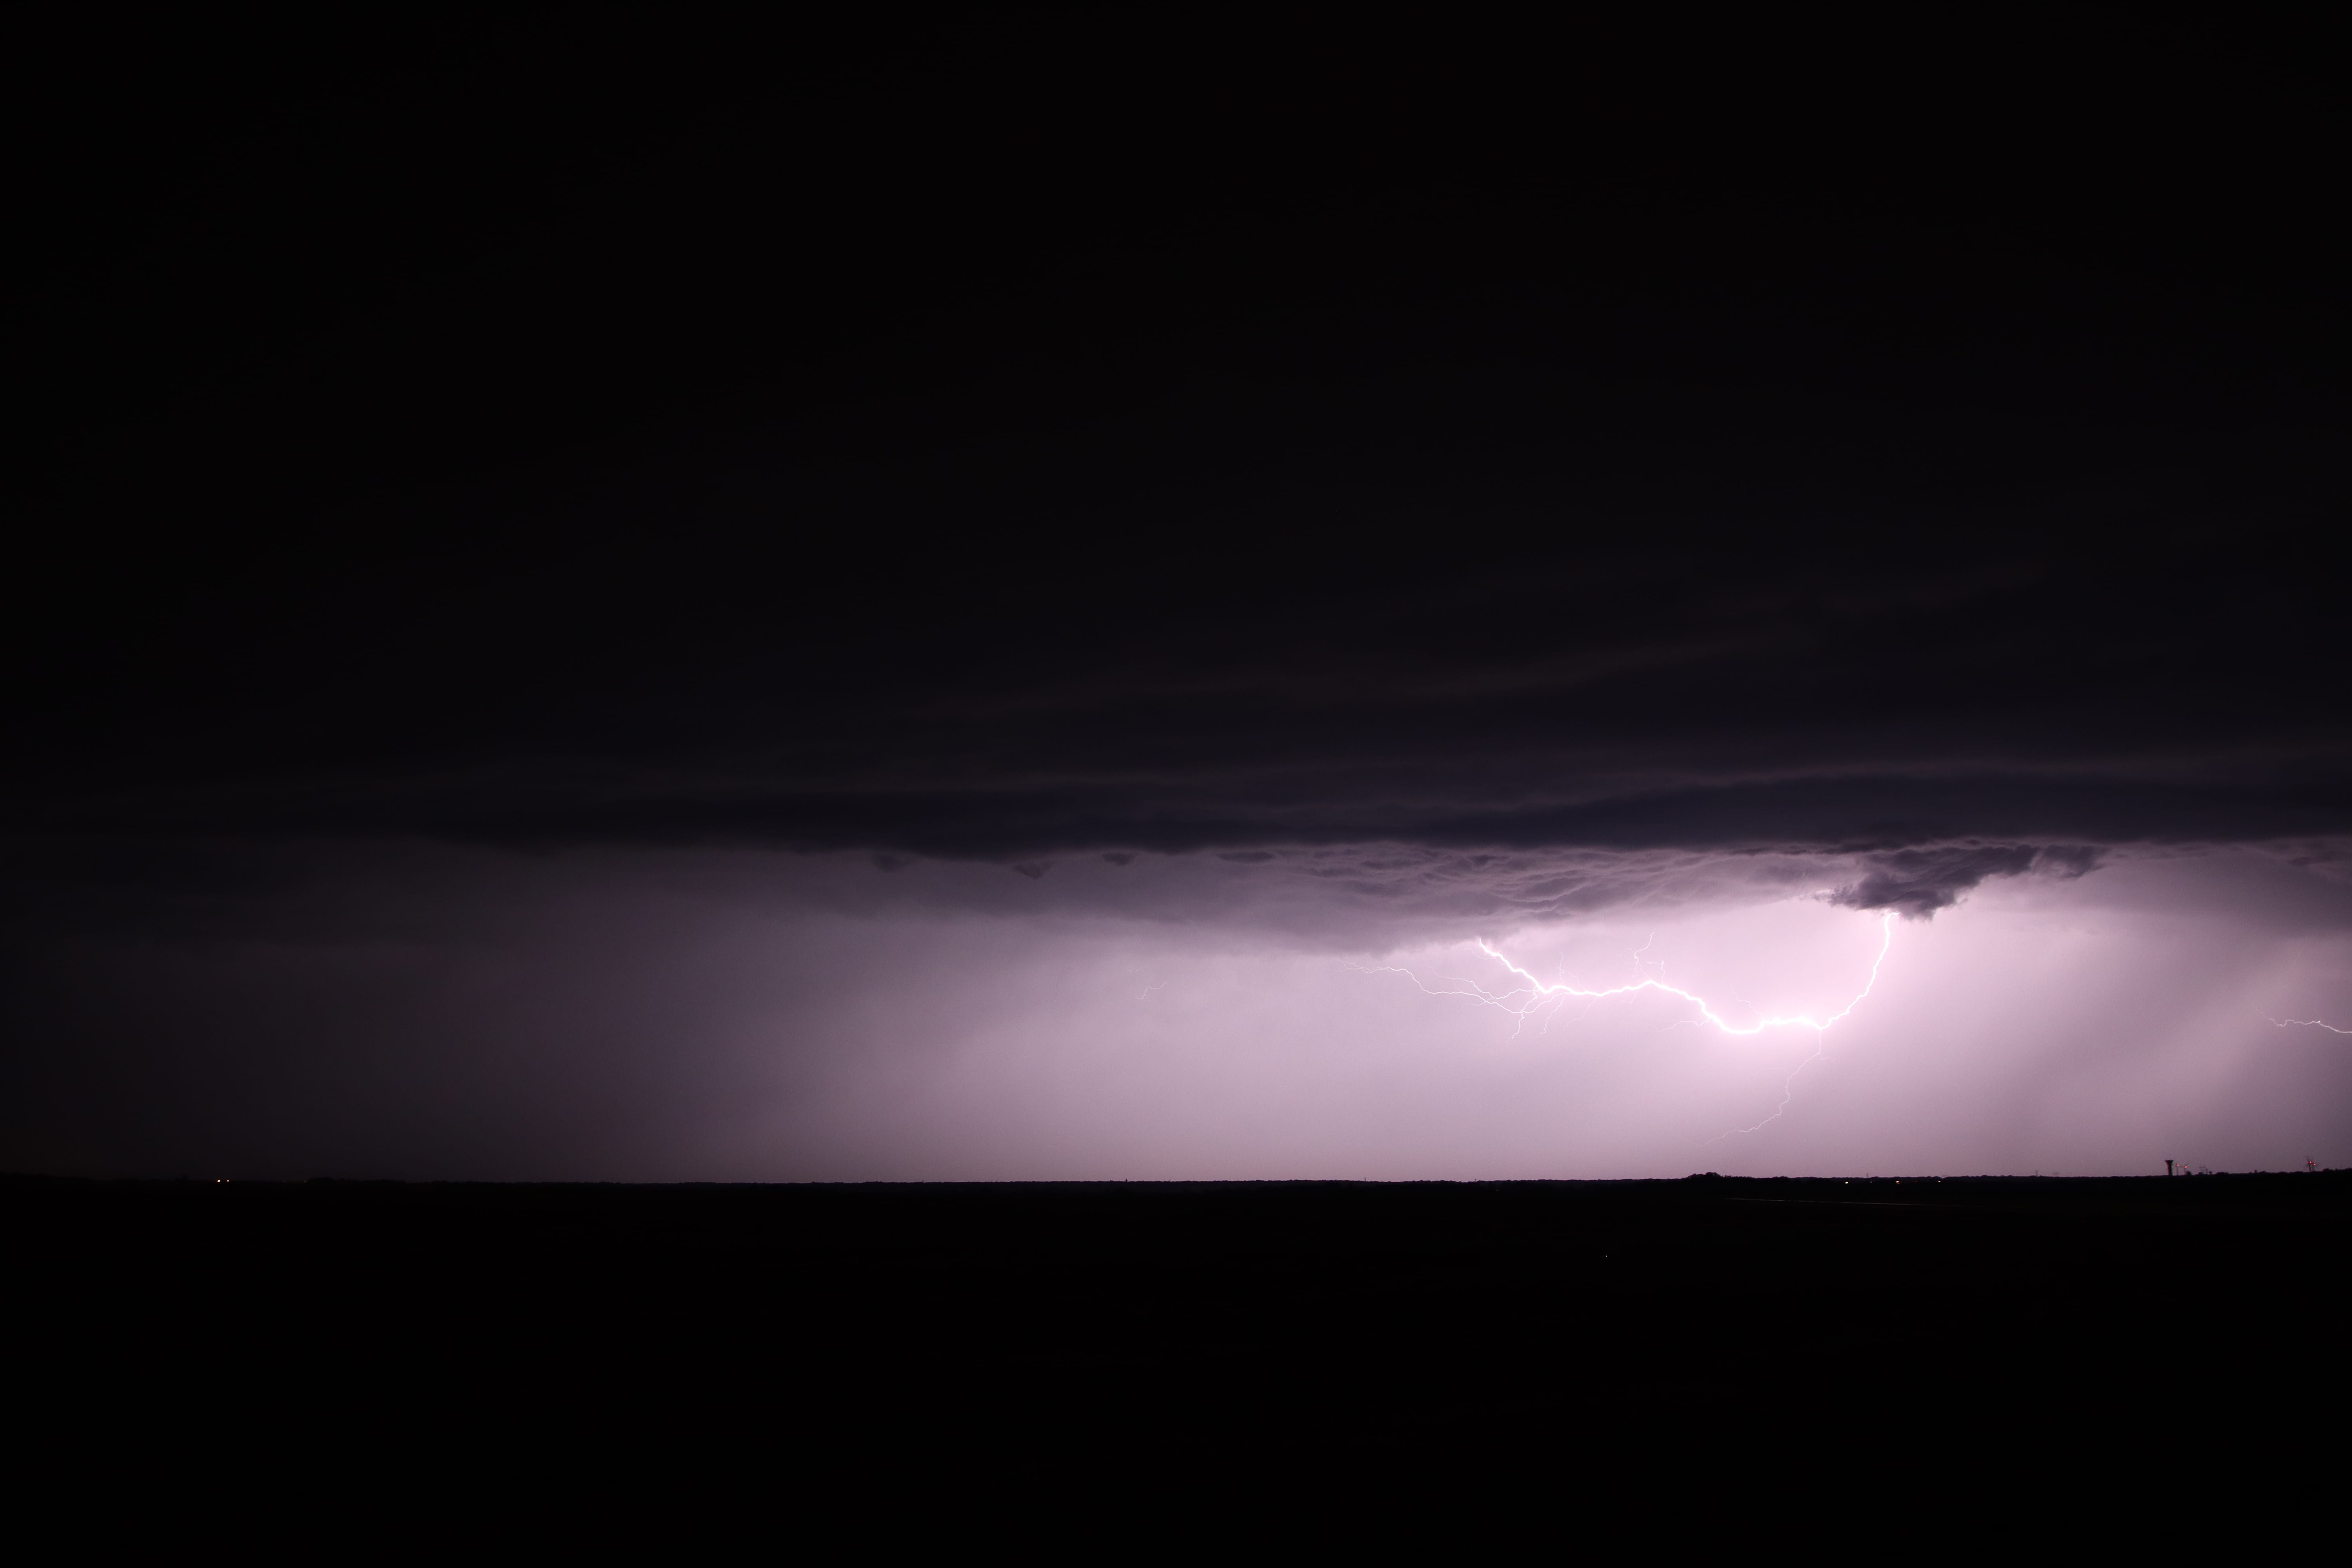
{"x": 1918, "y": 882}
{"x": 1472, "y": 503}
{"x": 1478, "y": 599}
{"x": 482, "y": 505}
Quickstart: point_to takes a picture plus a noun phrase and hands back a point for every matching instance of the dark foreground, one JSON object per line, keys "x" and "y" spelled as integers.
{"x": 820, "y": 1337}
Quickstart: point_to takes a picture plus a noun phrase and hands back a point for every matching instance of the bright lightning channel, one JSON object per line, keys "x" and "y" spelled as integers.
{"x": 1524, "y": 1002}
{"x": 2303, "y": 1024}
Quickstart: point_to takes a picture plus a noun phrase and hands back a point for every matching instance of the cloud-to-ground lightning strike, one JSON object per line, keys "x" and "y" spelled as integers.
{"x": 1523, "y": 1002}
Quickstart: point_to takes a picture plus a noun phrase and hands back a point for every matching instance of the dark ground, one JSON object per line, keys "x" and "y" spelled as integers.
{"x": 820, "y": 1338}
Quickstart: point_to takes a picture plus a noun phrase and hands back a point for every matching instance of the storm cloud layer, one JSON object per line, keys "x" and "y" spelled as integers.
{"x": 1504, "y": 500}
{"x": 1262, "y": 653}
{"x": 1343, "y": 494}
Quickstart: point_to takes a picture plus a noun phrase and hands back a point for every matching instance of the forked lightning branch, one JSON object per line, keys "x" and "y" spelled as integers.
{"x": 1534, "y": 997}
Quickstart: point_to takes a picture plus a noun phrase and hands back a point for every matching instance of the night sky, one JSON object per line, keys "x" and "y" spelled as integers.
{"x": 1012, "y": 596}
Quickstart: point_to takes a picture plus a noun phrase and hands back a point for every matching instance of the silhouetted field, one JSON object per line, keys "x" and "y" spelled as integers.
{"x": 820, "y": 1331}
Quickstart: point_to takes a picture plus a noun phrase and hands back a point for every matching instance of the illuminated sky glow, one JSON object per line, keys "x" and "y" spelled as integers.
{"x": 1537, "y": 996}
{"x": 529, "y": 664}
{"x": 720, "y": 1016}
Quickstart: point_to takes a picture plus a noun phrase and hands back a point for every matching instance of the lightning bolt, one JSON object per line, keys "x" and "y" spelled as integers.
{"x": 2303, "y": 1023}
{"x": 1525, "y": 1001}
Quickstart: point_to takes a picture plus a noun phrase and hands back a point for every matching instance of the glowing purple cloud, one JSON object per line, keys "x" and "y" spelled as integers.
{"x": 700, "y": 1015}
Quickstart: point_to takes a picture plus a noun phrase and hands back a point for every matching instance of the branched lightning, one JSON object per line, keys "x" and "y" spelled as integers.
{"x": 2303, "y": 1024}
{"x": 1531, "y": 998}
